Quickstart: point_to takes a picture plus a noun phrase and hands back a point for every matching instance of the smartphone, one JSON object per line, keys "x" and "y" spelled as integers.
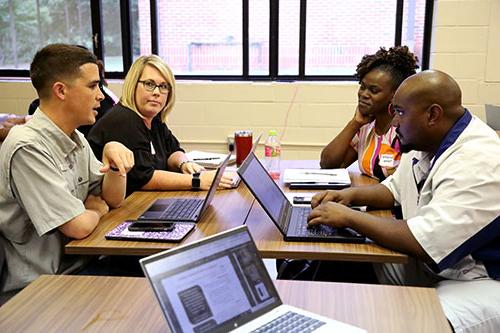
{"x": 299, "y": 200}
{"x": 151, "y": 226}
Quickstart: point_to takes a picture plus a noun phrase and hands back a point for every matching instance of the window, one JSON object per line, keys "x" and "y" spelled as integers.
{"x": 339, "y": 33}
{"x": 26, "y": 26}
{"x": 219, "y": 39}
{"x": 201, "y": 37}
{"x": 111, "y": 32}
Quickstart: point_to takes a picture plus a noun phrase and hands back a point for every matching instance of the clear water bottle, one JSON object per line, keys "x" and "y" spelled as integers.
{"x": 273, "y": 155}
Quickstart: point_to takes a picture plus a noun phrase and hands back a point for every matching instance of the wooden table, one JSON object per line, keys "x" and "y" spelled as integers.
{"x": 118, "y": 304}
{"x": 270, "y": 241}
{"x": 229, "y": 209}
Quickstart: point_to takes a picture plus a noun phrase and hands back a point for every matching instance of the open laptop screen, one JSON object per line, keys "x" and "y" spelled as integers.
{"x": 216, "y": 181}
{"x": 264, "y": 188}
{"x": 214, "y": 285}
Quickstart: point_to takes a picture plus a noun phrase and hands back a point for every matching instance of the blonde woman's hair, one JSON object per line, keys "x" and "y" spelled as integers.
{"x": 132, "y": 79}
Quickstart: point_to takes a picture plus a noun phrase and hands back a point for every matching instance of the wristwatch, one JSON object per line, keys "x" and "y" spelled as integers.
{"x": 196, "y": 182}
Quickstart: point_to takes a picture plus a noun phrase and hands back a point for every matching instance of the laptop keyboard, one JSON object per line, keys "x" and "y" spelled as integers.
{"x": 291, "y": 322}
{"x": 182, "y": 209}
{"x": 301, "y": 229}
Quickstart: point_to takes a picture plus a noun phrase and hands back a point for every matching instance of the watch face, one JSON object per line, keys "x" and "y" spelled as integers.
{"x": 196, "y": 182}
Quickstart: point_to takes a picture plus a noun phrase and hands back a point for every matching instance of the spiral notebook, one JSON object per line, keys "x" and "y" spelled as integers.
{"x": 121, "y": 232}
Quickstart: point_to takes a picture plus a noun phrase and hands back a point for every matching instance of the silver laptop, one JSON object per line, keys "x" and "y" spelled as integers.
{"x": 220, "y": 284}
{"x": 493, "y": 116}
{"x": 184, "y": 209}
{"x": 290, "y": 220}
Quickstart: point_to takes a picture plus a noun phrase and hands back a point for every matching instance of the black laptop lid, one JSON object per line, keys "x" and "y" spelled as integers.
{"x": 266, "y": 191}
{"x": 213, "y": 285}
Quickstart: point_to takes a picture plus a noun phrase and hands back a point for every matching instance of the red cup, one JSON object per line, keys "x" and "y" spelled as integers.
{"x": 243, "y": 145}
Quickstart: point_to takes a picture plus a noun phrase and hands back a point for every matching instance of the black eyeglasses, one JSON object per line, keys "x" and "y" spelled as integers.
{"x": 151, "y": 86}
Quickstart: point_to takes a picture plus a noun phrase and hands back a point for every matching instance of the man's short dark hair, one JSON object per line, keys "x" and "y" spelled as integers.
{"x": 57, "y": 62}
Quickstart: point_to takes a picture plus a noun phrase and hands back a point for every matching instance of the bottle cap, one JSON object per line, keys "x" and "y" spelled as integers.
{"x": 273, "y": 133}
{"x": 242, "y": 133}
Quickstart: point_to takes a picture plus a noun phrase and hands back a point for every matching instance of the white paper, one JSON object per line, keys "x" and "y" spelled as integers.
{"x": 336, "y": 176}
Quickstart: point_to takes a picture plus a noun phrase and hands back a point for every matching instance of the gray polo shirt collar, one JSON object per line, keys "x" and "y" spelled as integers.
{"x": 66, "y": 144}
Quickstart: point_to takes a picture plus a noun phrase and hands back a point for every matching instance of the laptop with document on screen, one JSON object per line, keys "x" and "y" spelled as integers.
{"x": 290, "y": 220}
{"x": 184, "y": 209}
{"x": 220, "y": 284}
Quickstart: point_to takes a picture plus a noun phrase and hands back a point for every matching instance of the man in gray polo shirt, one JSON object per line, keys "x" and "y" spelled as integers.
{"x": 53, "y": 188}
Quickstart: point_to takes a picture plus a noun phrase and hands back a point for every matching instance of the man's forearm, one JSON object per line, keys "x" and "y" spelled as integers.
{"x": 114, "y": 188}
{"x": 388, "y": 232}
{"x": 376, "y": 196}
{"x": 82, "y": 225}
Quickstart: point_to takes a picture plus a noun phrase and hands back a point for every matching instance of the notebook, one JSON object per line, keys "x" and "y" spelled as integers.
{"x": 121, "y": 232}
{"x": 317, "y": 178}
{"x": 220, "y": 284}
{"x": 493, "y": 116}
{"x": 184, "y": 209}
{"x": 290, "y": 220}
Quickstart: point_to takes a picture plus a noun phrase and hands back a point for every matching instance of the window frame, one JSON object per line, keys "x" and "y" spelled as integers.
{"x": 126, "y": 36}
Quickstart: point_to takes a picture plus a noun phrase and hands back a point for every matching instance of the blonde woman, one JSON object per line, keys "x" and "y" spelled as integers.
{"x": 139, "y": 122}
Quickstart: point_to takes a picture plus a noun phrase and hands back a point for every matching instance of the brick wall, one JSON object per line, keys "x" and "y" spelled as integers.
{"x": 331, "y": 38}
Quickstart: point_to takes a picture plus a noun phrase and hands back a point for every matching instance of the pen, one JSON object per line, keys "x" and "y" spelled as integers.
{"x": 319, "y": 173}
{"x": 318, "y": 183}
{"x": 206, "y": 159}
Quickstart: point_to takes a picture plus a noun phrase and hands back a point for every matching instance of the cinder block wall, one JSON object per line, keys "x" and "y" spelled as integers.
{"x": 466, "y": 44}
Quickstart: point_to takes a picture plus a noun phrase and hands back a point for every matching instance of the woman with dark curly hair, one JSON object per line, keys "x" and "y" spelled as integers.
{"x": 369, "y": 136}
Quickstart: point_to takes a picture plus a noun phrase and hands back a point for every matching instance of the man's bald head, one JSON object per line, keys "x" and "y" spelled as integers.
{"x": 427, "y": 106}
{"x": 435, "y": 87}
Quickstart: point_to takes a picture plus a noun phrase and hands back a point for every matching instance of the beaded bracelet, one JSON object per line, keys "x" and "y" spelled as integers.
{"x": 182, "y": 163}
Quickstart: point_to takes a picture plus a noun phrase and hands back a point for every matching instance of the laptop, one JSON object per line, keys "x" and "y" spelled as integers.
{"x": 220, "y": 284}
{"x": 290, "y": 220}
{"x": 184, "y": 209}
{"x": 493, "y": 116}
{"x": 236, "y": 177}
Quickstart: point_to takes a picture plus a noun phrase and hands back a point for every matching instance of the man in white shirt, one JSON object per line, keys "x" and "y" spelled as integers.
{"x": 448, "y": 186}
{"x": 53, "y": 187}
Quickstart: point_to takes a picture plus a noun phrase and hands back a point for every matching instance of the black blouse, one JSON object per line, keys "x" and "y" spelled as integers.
{"x": 151, "y": 147}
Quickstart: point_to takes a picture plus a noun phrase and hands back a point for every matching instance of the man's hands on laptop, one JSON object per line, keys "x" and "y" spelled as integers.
{"x": 341, "y": 196}
{"x": 331, "y": 208}
{"x": 117, "y": 157}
